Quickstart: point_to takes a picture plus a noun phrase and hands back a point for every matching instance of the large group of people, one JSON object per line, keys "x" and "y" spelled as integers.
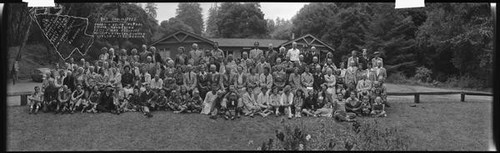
{"x": 286, "y": 82}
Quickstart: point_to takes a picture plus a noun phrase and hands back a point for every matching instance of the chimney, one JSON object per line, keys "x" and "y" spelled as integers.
{"x": 293, "y": 36}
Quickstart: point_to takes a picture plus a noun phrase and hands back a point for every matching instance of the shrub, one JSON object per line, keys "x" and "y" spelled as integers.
{"x": 465, "y": 82}
{"x": 368, "y": 135}
{"x": 423, "y": 74}
{"x": 397, "y": 77}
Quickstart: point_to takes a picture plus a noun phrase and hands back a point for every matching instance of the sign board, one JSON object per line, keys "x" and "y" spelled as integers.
{"x": 67, "y": 34}
{"x": 118, "y": 28}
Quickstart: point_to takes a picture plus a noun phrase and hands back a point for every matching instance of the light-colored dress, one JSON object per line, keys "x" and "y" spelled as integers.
{"x": 208, "y": 103}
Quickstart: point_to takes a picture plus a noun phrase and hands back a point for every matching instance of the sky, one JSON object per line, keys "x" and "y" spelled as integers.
{"x": 271, "y": 10}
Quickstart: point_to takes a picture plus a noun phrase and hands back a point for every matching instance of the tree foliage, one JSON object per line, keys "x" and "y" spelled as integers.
{"x": 212, "y": 30}
{"x": 241, "y": 20}
{"x": 190, "y": 14}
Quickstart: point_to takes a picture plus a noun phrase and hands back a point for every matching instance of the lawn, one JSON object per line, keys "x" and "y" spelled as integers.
{"x": 431, "y": 125}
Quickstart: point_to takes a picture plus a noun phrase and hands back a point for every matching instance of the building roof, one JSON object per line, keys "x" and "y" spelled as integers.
{"x": 310, "y": 41}
{"x": 239, "y": 42}
{"x": 182, "y": 36}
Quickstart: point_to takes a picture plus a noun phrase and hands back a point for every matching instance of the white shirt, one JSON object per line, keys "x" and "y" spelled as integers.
{"x": 156, "y": 84}
{"x": 286, "y": 99}
{"x": 293, "y": 54}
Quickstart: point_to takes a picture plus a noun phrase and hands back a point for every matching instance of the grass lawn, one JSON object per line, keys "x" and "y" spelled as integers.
{"x": 431, "y": 125}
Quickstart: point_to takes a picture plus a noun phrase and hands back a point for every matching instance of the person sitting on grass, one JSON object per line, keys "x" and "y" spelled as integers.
{"x": 309, "y": 106}
{"x": 147, "y": 100}
{"x": 274, "y": 100}
{"x": 120, "y": 99}
{"x": 35, "y": 100}
{"x": 326, "y": 110}
{"x": 134, "y": 100}
{"x": 232, "y": 104}
{"x": 182, "y": 103}
{"x": 378, "y": 108}
{"x": 63, "y": 98}
{"x": 92, "y": 99}
{"x": 174, "y": 101}
{"x": 161, "y": 100}
{"x": 106, "y": 100}
{"x": 263, "y": 101}
{"x": 250, "y": 105}
{"x": 298, "y": 102}
{"x": 365, "y": 104}
{"x": 209, "y": 101}
{"x": 50, "y": 97}
{"x": 353, "y": 104}
{"x": 217, "y": 105}
{"x": 287, "y": 100}
{"x": 340, "y": 113}
{"x": 194, "y": 104}
{"x": 76, "y": 98}
{"x": 379, "y": 90}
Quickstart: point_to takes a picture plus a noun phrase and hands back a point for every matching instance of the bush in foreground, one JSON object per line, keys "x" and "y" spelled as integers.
{"x": 367, "y": 135}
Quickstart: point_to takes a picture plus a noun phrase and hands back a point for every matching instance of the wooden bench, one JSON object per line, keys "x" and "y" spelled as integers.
{"x": 417, "y": 94}
{"x": 24, "y": 96}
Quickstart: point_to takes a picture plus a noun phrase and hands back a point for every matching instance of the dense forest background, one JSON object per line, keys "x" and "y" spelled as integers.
{"x": 443, "y": 42}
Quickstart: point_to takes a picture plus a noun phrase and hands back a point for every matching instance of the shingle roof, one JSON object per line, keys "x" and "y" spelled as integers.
{"x": 239, "y": 42}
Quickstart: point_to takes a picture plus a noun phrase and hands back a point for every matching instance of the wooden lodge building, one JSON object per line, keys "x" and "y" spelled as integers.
{"x": 167, "y": 46}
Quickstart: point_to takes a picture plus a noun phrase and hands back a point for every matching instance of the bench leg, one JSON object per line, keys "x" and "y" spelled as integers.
{"x": 417, "y": 98}
{"x": 24, "y": 100}
{"x": 462, "y": 97}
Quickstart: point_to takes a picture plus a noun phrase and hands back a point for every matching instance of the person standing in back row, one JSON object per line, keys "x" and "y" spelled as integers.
{"x": 256, "y": 53}
{"x": 293, "y": 53}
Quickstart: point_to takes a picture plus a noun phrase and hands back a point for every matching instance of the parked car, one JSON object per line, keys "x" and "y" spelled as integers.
{"x": 37, "y": 74}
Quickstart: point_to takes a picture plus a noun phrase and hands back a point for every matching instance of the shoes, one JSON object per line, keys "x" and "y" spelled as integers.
{"x": 226, "y": 117}
{"x": 298, "y": 115}
{"x": 251, "y": 115}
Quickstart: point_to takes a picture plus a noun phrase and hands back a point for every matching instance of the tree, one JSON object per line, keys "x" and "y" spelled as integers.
{"x": 151, "y": 10}
{"x": 190, "y": 14}
{"x": 212, "y": 30}
{"x": 459, "y": 37}
{"x": 242, "y": 20}
{"x": 170, "y": 26}
{"x": 282, "y": 29}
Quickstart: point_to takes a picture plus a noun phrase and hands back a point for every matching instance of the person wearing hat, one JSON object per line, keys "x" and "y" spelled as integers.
{"x": 353, "y": 60}
{"x": 286, "y": 100}
{"x": 376, "y": 59}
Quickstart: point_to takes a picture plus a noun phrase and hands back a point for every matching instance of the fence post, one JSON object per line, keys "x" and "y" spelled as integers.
{"x": 462, "y": 97}
{"x": 24, "y": 100}
{"x": 417, "y": 98}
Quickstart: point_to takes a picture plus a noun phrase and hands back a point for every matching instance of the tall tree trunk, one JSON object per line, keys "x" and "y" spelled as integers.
{"x": 26, "y": 36}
